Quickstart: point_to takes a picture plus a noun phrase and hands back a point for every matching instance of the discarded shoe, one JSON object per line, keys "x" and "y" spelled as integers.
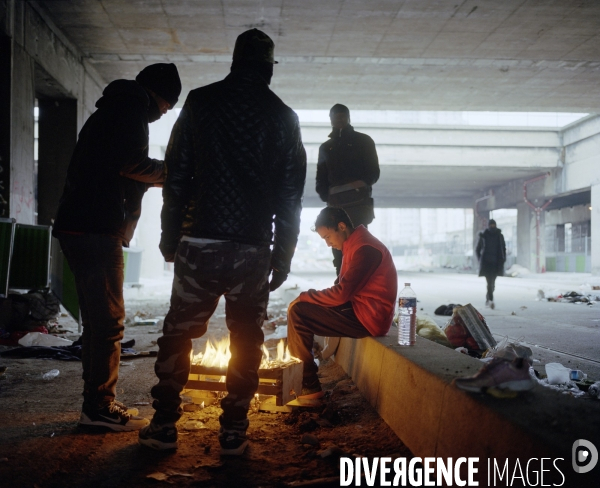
{"x": 159, "y": 436}
{"x": 232, "y": 438}
{"x": 113, "y": 416}
{"x": 499, "y": 373}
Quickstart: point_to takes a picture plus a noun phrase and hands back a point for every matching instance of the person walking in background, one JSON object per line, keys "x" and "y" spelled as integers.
{"x": 491, "y": 252}
{"x": 236, "y": 169}
{"x": 361, "y": 303}
{"x": 347, "y": 169}
{"x": 101, "y": 204}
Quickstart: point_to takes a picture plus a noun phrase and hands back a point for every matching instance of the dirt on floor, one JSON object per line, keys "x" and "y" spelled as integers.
{"x": 42, "y": 446}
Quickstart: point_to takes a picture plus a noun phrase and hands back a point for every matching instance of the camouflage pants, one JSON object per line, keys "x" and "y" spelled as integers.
{"x": 203, "y": 273}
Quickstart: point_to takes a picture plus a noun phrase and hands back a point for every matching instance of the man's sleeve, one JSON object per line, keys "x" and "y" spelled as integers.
{"x": 364, "y": 263}
{"x": 322, "y": 186}
{"x": 372, "y": 174}
{"x": 132, "y": 137}
{"x": 289, "y": 201}
{"x": 479, "y": 247}
{"x": 179, "y": 166}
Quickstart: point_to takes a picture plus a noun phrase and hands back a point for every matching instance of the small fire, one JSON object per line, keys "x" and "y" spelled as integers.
{"x": 217, "y": 355}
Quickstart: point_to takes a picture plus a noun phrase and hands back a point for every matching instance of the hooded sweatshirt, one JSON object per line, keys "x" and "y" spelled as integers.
{"x": 110, "y": 169}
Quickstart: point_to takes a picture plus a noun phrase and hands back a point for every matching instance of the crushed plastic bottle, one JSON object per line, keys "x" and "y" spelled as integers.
{"x": 50, "y": 375}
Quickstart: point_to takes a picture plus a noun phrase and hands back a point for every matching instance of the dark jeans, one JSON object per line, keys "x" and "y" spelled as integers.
{"x": 203, "y": 273}
{"x": 305, "y": 320}
{"x": 491, "y": 286}
{"x": 97, "y": 263}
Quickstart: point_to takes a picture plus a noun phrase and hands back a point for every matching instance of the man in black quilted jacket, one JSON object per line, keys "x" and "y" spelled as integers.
{"x": 236, "y": 168}
{"x": 107, "y": 177}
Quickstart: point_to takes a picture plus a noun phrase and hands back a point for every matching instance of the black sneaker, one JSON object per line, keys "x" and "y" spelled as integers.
{"x": 131, "y": 411}
{"x": 233, "y": 438}
{"x": 159, "y": 436}
{"x": 311, "y": 391}
{"x": 112, "y": 416}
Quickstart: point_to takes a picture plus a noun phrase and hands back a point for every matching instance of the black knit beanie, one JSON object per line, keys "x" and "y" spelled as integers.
{"x": 163, "y": 79}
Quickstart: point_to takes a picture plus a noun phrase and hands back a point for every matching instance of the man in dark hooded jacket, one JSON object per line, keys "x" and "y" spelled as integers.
{"x": 491, "y": 252}
{"x": 236, "y": 168}
{"x": 107, "y": 177}
{"x": 346, "y": 170}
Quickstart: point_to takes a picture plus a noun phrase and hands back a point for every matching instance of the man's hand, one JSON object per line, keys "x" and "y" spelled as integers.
{"x": 277, "y": 279}
{"x": 167, "y": 253}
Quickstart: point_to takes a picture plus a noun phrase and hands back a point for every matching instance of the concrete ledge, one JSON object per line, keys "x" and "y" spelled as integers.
{"x": 410, "y": 388}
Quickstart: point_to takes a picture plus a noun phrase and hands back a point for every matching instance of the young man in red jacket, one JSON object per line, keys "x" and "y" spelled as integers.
{"x": 361, "y": 303}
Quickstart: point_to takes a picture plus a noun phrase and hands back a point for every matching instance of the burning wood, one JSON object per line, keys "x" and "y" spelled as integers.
{"x": 280, "y": 375}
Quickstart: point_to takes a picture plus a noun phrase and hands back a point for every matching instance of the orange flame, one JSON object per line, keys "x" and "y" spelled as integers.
{"x": 217, "y": 354}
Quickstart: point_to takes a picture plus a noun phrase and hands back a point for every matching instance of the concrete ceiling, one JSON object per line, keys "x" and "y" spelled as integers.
{"x": 497, "y": 55}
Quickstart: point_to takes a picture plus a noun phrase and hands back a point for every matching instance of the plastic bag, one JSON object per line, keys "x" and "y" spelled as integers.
{"x": 39, "y": 339}
{"x": 510, "y": 350}
{"x": 467, "y": 328}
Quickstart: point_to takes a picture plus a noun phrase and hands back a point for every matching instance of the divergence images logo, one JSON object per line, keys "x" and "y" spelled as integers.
{"x": 585, "y": 456}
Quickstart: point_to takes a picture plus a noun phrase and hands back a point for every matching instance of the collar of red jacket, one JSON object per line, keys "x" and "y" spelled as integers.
{"x": 356, "y": 235}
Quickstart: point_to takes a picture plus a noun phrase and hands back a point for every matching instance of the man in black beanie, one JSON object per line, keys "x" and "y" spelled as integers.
{"x": 347, "y": 169}
{"x": 101, "y": 203}
{"x": 491, "y": 252}
{"x": 236, "y": 170}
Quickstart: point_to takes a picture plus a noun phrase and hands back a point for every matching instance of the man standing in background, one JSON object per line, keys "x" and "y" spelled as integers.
{"x": 101, "y": 204}
{"x": 236, "y": 169}
{"x": 347, "y": 169}
{"x": 491, "y": 252}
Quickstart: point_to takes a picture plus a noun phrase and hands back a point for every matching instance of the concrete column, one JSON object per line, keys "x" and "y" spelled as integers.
{"x": 531, "y": 245}
{"x": 595, "y": 240}
{"x": 57, "y": 138}
{"x": 5, "y": 126}
{"x": 525, "y": 219}
{"x": 22, "y": 194}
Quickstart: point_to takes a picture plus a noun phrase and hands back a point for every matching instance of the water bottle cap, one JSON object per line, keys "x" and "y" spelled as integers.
{"x": 406, "y": 284}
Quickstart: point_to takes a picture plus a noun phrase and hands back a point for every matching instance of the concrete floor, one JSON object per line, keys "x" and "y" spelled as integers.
{"x": 557, "y": 332}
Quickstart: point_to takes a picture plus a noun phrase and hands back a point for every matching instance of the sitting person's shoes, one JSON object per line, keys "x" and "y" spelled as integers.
{"x": 159, "y": 436}
{"x": 233, "y": 438}
{"x": 311, "y": 390}
{"x": 113, "y": 416}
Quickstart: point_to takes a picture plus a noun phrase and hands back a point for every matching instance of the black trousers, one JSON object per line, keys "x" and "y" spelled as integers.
{"x": 97, "y": 264}
{"x": 491, "y": 286}
{"x": 305, "y": 320}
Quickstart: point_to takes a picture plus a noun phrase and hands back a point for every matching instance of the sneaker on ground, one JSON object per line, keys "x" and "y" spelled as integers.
{"x": 492, "y": 306}
{"x": 487, "y": 303}
{"x": 131, "y": 411}
{"x": 311, "y": 391}
{"x": 112, "y": 416}
{"x": 233, "y": 438}
{"x": 159, "y": 436}
{"x": 499, "y": 373}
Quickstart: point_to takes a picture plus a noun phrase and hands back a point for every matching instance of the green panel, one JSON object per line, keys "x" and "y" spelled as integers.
{"x": 580, "y": 264}
{"x": 31, "y": 256}
{"x": 6, "y": 233}
{"x": 69, "y": 291}
{"x": 550, "y": 264}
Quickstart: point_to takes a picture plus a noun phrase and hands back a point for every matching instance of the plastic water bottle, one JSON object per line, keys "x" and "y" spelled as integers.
{"x": 407, "y": 316}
